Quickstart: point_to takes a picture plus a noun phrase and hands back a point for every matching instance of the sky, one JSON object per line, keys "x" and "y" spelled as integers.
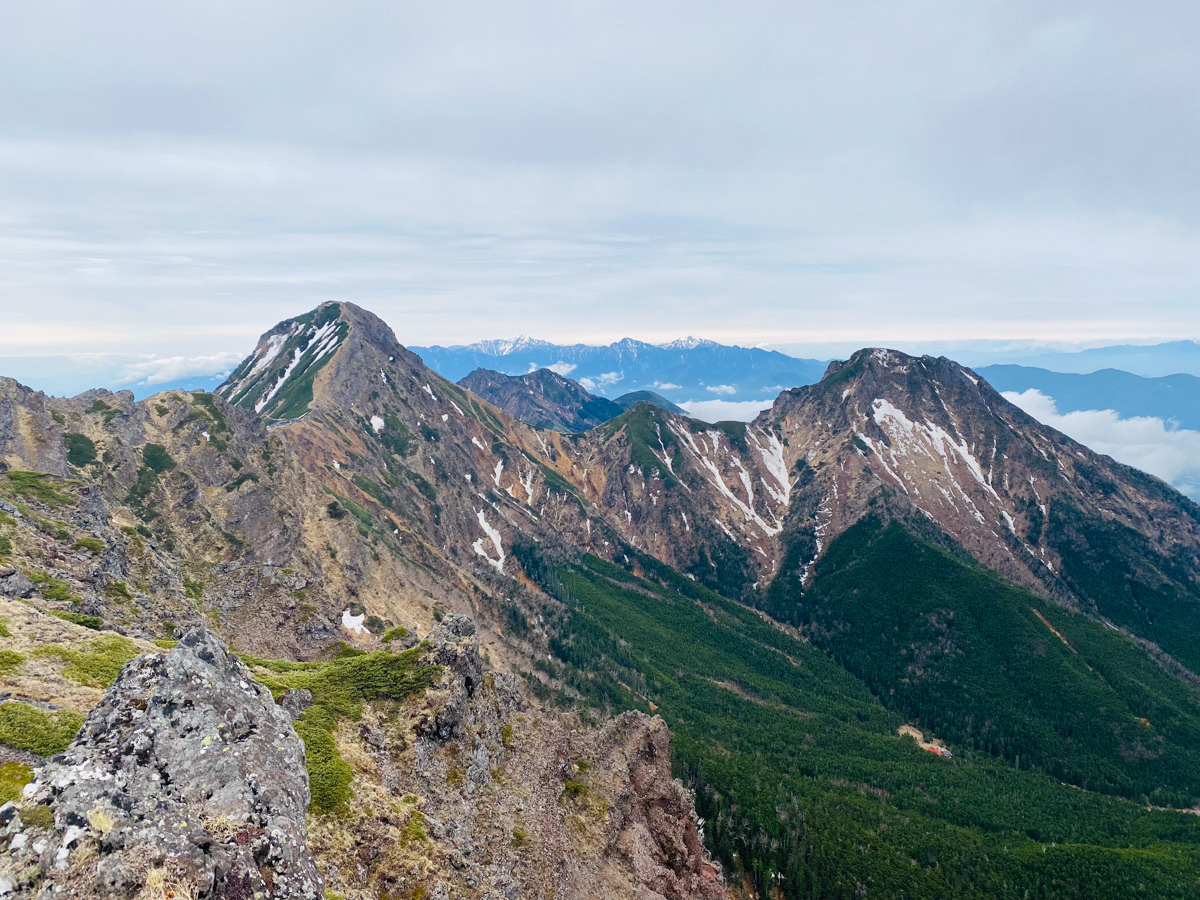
{"x": 178, "y": 177}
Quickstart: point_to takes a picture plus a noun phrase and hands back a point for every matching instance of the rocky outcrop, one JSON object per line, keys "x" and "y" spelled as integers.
{"x": 186, "y": 780}
{"x": 469, "y": 793}
{"x": 30, "y": 438}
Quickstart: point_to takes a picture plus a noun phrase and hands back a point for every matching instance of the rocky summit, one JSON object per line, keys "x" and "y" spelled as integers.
{"x": 905, "y": 639}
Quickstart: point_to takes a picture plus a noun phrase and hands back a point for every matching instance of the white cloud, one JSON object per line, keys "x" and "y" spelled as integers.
{"x": 159, "y": 370}
{"x": 725, "y": 410}
{"x": 666, "y": 386}
{"x": 607, "y": 379}
{"x": 563, "y": 368}
{"x": 1145, "y": 442}
{"x": 727, "y": 389}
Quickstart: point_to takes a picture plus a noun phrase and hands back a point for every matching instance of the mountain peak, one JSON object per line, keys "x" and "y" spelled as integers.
{"x": 691, "y": 342}
{"x": 277, "y": 380}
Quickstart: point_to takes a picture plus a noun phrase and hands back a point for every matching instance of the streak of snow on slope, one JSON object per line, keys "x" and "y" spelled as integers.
{"x": 267, "y": 397}
{"x": 718, "y": 481}
{"x": 527, "y": 483}
{"x": 494, "y": 536}
{"x": 274, "y": 344}
{"x": 773, "y": 461}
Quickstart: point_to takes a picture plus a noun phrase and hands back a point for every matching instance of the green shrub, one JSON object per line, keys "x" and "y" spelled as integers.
{"x": 339, "y": 689}
{"x": 97, "y": 663}
{"x": 141, "y": 489}
{"x": 6, "y": 546}
{"x": 13, "y": 778}
{"x": 240, "y": 480}
{"x": 157, "y": 459}
{"x": 10, "y": 661}
{"x": 334, "y": 510}
{"x": 394, "y": 633}
{"x": 94, "y": 544}
{"x": 93, "y": 622}
{"x": 118, "y": 592}
{"x": 518, "y": 837}
{"x": 193, "y": 590}
{"x": 415, "y": 831}
{"x": 573, "y": 789}
{"x": 81, "y": 450}
{"x": 36, "y": 486}
{"x": 25, "y": 727}
{"x": 52, "y": 588}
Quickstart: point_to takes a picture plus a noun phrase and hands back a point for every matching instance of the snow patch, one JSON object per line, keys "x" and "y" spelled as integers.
{"x": 353, "y": 623}
{"x": 376, "y": 424}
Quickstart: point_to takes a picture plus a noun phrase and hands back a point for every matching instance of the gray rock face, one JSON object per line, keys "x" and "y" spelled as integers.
{"x": 186, "y": 774}
{"x": 14, "y": 583}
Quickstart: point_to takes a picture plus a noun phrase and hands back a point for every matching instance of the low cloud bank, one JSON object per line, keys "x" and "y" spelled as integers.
{"x": 725, "y": 410}
{"x": 1145, "y": 442}
{"x": 161, "y": 369}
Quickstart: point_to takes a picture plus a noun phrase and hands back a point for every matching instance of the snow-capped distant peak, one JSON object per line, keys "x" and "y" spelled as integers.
{"x": 507, "y": 346}
{"x": 691, "y": 342}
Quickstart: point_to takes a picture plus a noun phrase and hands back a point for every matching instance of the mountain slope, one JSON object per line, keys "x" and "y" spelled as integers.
{"x": 542, "y": 398}
{"x": 928, "y": 439}
{"x": 918, "y": 529}
{"x": 798, "y": 767}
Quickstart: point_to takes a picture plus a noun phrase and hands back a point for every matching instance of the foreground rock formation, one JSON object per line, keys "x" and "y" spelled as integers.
{"x": 468, "y": 792}
{"x": 186, "y": 780}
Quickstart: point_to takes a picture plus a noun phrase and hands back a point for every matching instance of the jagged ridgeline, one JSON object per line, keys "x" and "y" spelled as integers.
{"x": 910, "y": 641}
{"x": 277, "y": 380}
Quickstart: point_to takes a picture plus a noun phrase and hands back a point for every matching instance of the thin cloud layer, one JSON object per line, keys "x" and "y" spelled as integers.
{"x": 1147, "y": 443}
{"x": 160, "y": 370}
{"x": 725, "y": 410}
{"x": 178, "y": 177}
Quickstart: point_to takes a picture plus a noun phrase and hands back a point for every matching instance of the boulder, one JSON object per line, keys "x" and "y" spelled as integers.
{"x": 186, "y": 780}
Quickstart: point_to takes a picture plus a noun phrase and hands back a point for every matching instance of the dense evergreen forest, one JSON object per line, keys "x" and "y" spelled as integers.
{"x": 792, "y": 746}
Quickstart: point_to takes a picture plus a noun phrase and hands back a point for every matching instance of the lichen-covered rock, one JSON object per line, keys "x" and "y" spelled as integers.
{"x": 186, "y": 780}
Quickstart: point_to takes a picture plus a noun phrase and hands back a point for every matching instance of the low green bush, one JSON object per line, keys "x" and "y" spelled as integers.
{"x": 93, "y": 622}
{"x": 81, "y": 450}
{"x": 25, "y": 727}
{"x": 339, "y": 689}
{"x": 97, "y": 663}
{"x": 13, "y": 778}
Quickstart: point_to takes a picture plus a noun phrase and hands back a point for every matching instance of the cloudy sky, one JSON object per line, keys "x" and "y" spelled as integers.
{"x": 179, "y": 176}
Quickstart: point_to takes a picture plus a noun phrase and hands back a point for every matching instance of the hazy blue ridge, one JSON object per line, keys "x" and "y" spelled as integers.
{"x": 1173, "y": 398}
{"x": 704, "y": 371}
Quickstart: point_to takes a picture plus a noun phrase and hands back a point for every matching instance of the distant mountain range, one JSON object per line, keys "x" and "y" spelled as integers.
{"x": 1151, "y": 360}
{"x": 685, "y": 370}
